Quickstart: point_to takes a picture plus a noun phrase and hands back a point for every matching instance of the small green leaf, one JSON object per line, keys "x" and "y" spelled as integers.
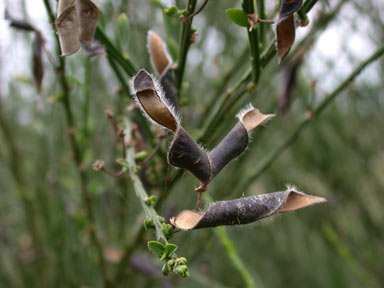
{"x": 170, "y": 249}
{"x": 156, "y": 248}
{"x": 237, "y": 16}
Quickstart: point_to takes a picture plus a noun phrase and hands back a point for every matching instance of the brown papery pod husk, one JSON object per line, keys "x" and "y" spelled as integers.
{"x": 66, "y": 27}
{"x": 159, "y": 55}
{"x": 38, "y": 68}
{"x": 88, "y": 15}
{"x": 244, "y": 210}
{"x": 236, "y": 141}
{"x": 185, "y": 153}
{"x": 152, "y": 102}
{"x": 162, "y": 62}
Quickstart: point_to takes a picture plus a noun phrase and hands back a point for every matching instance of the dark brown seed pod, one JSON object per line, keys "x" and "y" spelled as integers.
{"x": 285, "y": 28}
{"x": 169, "y": 88}
{"x": 152, "y": 102}
{"x": 38, "y": 67}
{"x": 185, "y": 153}
{"x": 233, "y": 144}
{"x": 88, "y": 15}
{"x": 285, "y": 32}
{"x": 288, "y": 7}
{"x": 244, "y": 210}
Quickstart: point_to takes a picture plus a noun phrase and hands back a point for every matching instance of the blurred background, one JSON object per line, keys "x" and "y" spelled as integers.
{"x": 338, "y": 155}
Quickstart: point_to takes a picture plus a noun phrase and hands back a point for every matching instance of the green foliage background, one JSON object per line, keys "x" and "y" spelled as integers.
{"x": 340, "y": 156}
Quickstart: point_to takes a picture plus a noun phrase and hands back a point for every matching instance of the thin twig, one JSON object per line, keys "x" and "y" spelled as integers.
{"x": 189, "y": 17}
{"x": 184, "y": 44}
{"x": 77, "y": 153}
{"x": 249, "y": 7}
{"x": 324, "y": 104}
{"x": 142, "y": 195}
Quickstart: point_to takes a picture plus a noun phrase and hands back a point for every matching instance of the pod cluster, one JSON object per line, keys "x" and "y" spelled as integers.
{"x": 158, "y": 101}
{"x": 76, "y": 25}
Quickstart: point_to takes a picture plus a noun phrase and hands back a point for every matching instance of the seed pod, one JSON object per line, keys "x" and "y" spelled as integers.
{"x": 66, "y": 27}
{"x": 236, "y": 141}
{"x": 244, "y": 210}
{"x": 151, "y": 100}
{"x": 88, "y": 15}
{"x": 285, "y": 28}
{"x": 185, "y": 153}
{"x": 38, "y": 68}
{"x": 159, "y": 55}
{"x": 169, "y": 88}
{"x": 161, "y": 63}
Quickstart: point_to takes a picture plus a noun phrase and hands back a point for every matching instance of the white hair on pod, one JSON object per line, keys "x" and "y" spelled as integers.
{"x": 243, "y": 111}
{"x": 248, "y": 108}
{"x": 160, "y": 92}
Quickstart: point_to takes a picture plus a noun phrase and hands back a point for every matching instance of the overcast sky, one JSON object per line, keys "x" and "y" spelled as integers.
{"x": 339, "y": 45}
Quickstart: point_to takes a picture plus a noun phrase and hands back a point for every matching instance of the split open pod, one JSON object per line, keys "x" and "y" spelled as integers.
{"x": 184, "y": 152}
{"x": 244, "y": 210}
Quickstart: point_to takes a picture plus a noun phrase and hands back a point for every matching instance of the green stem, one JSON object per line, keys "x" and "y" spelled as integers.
{"x": 77, "y": 153}
{"x": 249, "y": 7}
{"x": 308, "y": 5}
{"x": 262, "y": 15}
{"x": 149, "y": 211}
{"x": 27, "y": 199}
{"x": 184, "y": 44}
{"x": 324, "y": 104}
{"x": 210, "y": 124}
{"x": 114, "y": 53}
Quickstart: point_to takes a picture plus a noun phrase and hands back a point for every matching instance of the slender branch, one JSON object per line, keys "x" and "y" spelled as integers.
{"x": 262, "y": 15}
{"x": 324, "y": 104}
{"x": 189, "y": 17}
{"x": 142, "y": 195}
{"x": 77, "y": 153}
{"x": 184, "y": 42}
{"x": 27, "y": 201}
{"x": 249, "y": 7}
{"x": 114, "y": 53}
